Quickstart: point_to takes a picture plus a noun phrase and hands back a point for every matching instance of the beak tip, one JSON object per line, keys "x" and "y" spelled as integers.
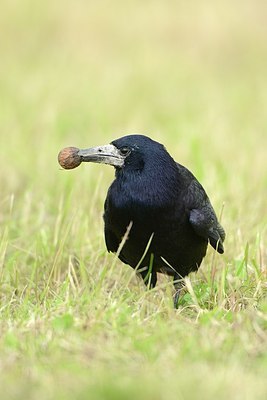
{"x": 69, "y": 158}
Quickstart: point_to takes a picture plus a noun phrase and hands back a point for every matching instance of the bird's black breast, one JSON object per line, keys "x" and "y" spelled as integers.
{"x": 158, "y": 216}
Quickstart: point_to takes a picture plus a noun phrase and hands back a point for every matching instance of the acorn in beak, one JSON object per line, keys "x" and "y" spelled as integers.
{"x": 72, "y": 157}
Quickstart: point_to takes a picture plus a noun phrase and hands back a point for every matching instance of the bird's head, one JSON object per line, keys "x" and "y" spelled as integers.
{"x": 130, "y": 152}
{"x": 134, "y": 157}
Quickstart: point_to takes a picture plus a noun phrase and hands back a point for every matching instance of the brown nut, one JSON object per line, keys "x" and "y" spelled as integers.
{"x": 69, "y": 158}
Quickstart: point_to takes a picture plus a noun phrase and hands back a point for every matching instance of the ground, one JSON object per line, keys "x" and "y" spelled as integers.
{"x": 76, "y": 322}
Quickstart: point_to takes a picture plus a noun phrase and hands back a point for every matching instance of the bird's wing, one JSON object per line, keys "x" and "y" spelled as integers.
{"x": 202, "y": 216}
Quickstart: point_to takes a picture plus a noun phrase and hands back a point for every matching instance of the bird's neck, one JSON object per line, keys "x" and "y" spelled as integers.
{"x": 156, "y": 185}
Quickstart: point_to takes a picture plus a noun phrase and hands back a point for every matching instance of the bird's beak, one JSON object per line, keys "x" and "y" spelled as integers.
{"x": 107, "y": 154}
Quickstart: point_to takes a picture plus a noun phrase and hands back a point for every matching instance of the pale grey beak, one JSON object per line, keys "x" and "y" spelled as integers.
{"x": 107, "y": 154}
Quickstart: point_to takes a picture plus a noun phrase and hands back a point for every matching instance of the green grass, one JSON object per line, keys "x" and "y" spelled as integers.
{"x": 75, "y": 322}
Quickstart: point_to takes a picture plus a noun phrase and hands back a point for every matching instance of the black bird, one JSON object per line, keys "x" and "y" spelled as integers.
{"x": 158, "y": 207}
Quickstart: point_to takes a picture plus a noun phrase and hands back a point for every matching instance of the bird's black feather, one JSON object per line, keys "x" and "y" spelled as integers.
{"x": 166, "y": 205}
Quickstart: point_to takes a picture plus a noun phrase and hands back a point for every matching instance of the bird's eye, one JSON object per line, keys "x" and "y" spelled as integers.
{"x": 125, "y": 151}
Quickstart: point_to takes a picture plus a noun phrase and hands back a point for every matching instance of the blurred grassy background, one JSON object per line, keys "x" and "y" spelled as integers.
{"x": 190, "y": 74}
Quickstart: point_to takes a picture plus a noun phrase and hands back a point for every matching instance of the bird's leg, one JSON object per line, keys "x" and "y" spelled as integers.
{"x": 149, "y": 277}
{"x": 178, "y": 285}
